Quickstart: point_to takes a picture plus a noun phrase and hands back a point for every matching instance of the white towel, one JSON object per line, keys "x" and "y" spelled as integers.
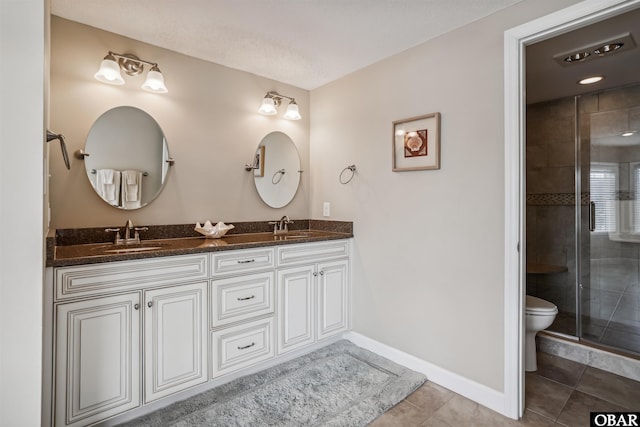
{"x": 131, "y": 189}
{"x": 108, "y": 185}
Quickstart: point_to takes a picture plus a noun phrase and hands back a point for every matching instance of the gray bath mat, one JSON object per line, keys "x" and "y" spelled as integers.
{"x": 338, "y": 385}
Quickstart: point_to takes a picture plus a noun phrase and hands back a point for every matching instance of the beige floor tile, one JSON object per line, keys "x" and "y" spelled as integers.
{"x": 544, "y": 396}
{"x": 531, "y": 419}
{"x": 576, "y": 411}
{"x": 561, "y": 370}
{"x": 611, "y": 387}
{"x": 404, "y": 414}
{"x": 460, "y": 411}
{"x": 430, "y": 397}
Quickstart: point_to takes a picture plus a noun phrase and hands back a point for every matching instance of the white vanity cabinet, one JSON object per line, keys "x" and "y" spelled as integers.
{"x": 128, "y": 333}
{"x": 313, "y": 293}
{"x": 242, "y": 306}
{"x": 97, "y": 358}
{"x": 175, "y": 339}
{"x": 99, "y": 337}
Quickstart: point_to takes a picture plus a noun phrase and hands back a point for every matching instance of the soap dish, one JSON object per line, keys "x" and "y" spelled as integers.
{"x": 213, "y": 232}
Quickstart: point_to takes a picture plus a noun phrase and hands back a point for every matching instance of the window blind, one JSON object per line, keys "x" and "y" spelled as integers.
{"x": 635, "y": 180}
{"x": 604, "y": 184}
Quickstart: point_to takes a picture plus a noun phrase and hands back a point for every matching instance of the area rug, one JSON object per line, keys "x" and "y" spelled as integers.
{"x": 338, "y": 385}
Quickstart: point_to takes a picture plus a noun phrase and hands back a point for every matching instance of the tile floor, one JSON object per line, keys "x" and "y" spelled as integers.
{"x": 561, "y": 392}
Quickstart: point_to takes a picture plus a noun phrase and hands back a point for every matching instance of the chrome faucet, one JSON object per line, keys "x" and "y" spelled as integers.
{"x": 128, "y": 228}
{"x": 282, "y": 226}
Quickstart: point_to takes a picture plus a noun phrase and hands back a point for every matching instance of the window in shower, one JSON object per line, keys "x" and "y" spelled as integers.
{"x": 604, "y": 190}
{"x": 635, "y": 193}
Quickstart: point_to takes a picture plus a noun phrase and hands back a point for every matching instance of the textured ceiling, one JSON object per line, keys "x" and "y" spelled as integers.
{"x": 305, "y": 43}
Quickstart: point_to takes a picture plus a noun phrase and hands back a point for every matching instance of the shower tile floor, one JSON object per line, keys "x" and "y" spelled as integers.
{"x": 561, "y": 392}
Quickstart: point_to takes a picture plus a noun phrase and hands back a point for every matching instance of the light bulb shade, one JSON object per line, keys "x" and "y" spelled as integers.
{"x": 154, "y": 81}
{"x": 292, "y": 112}
{"x": 268, "y": 106}
{"x": 109, "y": 72}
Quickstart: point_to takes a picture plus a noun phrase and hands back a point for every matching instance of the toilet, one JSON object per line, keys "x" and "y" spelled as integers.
{"x": 539, "y": 314}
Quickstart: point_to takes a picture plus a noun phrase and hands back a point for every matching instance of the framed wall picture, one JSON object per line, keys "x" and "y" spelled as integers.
{"x": 416, "y": 143}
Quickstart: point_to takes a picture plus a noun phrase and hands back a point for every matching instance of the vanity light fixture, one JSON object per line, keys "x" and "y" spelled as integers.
{"x": 109, "y": 71}
{"x": 272, "y": 101}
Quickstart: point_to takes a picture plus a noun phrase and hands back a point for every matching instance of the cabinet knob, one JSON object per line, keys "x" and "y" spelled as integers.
{"x": 322, "y": 273}
{"x": 136, "y": 306}
{"x": 150, "y": 304}
{"x": 315, "y": 274}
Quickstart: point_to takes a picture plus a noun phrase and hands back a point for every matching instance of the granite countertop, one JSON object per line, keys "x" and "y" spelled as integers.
{"x": 68, "y": 247}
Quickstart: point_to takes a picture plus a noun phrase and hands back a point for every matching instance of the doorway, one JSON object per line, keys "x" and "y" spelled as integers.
{"x": 516, "y": 42}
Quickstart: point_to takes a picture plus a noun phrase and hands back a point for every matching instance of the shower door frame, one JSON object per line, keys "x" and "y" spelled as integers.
{"x": 515, "y": 43}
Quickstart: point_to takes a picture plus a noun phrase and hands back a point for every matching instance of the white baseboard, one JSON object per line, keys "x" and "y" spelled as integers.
{"x": 485, "y": 396}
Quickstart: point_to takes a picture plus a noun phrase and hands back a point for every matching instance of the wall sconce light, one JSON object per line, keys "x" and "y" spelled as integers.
{"x": 109, "y": 71}
{"x": 273, "y": 99}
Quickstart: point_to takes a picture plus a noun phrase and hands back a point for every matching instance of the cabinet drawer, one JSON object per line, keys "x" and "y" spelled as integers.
{"x": 239, "y": 298}
{"x": 240, "y": 346}
{"x": 82, "y": 280}
{"x": 242, "y": 261}
{"x": 312, "y": 252}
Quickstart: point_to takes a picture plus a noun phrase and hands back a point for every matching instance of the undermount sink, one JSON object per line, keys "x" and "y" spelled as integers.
{"x": 296, "y": 235}
{"x": 132, "y": 247}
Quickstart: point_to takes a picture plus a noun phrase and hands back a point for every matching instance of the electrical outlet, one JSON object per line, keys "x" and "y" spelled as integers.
{"x": 326, "y": 209}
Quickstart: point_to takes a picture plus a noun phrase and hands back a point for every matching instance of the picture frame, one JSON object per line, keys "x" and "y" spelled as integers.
{"x": 416, "y": 143}
{"x": 258, "y": 162}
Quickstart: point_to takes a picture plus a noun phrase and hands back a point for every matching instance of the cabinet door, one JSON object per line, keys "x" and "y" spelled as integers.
{"x": 175, "y": 339}
{"x": 332, "y": 298}
{"x": 295, "y": 308}
{"x": 97, "y": 359}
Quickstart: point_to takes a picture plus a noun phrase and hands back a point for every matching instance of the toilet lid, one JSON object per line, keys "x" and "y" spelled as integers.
{"x": 538, "y": 305}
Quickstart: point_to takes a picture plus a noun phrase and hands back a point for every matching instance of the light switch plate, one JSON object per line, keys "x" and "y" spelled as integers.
{"x": 326, "y": 209}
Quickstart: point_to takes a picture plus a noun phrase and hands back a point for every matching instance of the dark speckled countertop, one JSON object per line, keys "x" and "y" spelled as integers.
{"x": 92, "y": 245}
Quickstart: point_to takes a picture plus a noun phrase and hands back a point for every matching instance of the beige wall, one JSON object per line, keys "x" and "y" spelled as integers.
{"x": 21, "y": 201}
{"x": 209, "y": 118}
{"x": 428, "y": 264}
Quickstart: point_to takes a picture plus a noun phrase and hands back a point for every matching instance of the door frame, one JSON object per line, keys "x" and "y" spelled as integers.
{"x": 515, "y": 43}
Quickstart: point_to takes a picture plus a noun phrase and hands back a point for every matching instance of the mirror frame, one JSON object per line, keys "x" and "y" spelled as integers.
{"x": 276, "y": 169}
{"x": 129, "y": 131}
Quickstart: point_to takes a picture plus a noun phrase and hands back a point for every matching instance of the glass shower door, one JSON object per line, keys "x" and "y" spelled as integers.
{"x": 609, "y": 301}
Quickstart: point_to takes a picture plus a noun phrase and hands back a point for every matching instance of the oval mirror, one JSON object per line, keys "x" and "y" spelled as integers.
{"x": 277, "y": 169}
{"x": 127, "y": 158}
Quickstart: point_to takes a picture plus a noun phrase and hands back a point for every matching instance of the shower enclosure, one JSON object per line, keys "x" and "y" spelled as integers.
{"x": 583, "y": 214}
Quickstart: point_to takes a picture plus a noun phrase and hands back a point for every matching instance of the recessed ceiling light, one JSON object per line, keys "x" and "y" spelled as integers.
{"x": 607, "y": 48}
{"x": 575, "y": 57}
{"x": 628, "y": 133}
{"x": 590, "y": 80}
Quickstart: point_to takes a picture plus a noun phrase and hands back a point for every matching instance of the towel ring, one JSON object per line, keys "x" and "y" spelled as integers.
{"x": 277, "y": 176}
{"x": 351, "y": 169}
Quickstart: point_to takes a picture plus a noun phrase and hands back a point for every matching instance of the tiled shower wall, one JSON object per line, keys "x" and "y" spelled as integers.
{"x": 611, "y": 293}
{"x": 551, "y": 158}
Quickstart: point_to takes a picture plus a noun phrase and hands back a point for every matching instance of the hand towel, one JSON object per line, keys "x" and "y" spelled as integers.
{"x": 108, "y": 185}
{"x": 131, "y": 189}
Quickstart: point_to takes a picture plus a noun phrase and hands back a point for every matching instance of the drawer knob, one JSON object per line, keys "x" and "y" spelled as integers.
{"x": 150, "y": 304}
{"x": 246, "y": 261}
{"x": 136, "y": 306}
{"x": 246, "y": 346}
{"x": 246, "y": 298}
